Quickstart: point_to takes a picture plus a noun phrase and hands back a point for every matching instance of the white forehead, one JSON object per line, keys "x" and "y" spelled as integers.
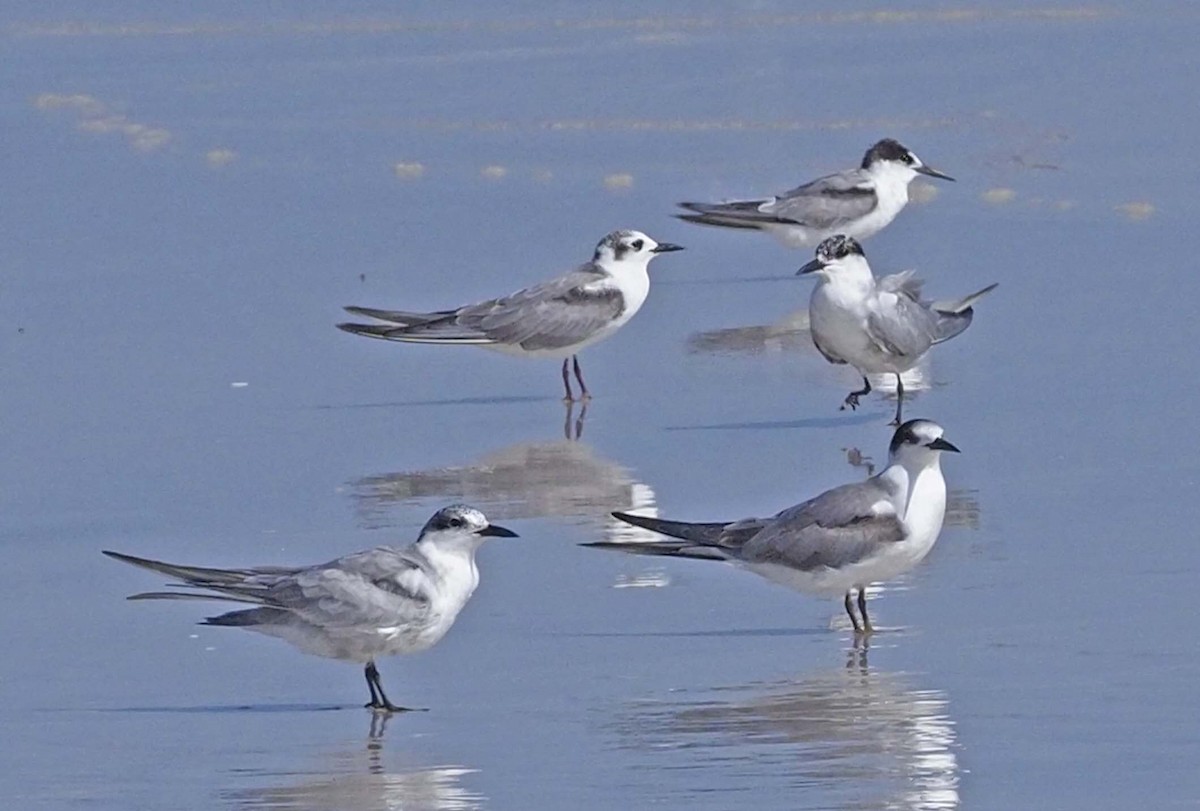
{"x": 474, "y": 516}
{"x": 468, "y": 514}
{"x": 926, "y": 431}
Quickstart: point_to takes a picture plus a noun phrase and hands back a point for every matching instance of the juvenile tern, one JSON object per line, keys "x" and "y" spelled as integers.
{"x": 554, "y": 319}
{"x": 876, "y": 325}
{"x": 379, "y": 602}
{"x": 842, "y": 540}
{"x": 857, "y": 202}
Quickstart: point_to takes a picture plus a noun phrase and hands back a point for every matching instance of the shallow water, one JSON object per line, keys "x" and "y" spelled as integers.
{"x": 191, "y": 198}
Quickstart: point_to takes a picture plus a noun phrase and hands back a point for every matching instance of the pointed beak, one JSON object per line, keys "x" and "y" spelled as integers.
{"x": 929, "y": 170}
{"x": 940, "y": 444}
{"x": 666, "y": 247}
{"x": 493, "y": 531}
{"x": 811, "y": 267}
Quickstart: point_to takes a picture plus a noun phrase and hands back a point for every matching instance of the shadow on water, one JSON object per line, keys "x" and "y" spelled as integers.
{"x": 788, "y": 334}
{"x": 854, "y": 737}
{"x": 819, "y": 423}
{"x": 361, "y": 780}
{"x": 496, "y": 400}
{"x": 725, "y": 632}
{"x": 562, "y": 478}
{"x": 236, "y": 708}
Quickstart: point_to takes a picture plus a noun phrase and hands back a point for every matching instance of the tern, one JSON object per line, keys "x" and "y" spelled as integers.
{"x": 379, "y": 602}
{"x": 876, "y": 325}
{"x": 554, "y": 319}
{"x": 841, "y": 541}
{"x": 857, "y": 202}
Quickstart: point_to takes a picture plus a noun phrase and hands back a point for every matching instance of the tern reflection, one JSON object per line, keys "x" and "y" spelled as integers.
{"x": 790, "y": 335}
{"x": 851, "y": 737}
{"x": 361, "y": 781}
{"x": 562, "y": 478}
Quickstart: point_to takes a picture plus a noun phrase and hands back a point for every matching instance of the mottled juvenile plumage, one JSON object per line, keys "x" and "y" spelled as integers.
{"x": 554, "y": 319}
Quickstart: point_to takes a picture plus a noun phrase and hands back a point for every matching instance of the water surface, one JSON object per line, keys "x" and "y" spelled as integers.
{"x": 191, "y": 196}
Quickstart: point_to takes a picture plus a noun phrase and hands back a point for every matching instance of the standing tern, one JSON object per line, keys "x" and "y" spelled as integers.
{"x": 554, "y": 319}
{"x": 876, "y": 325}
{"x": 842, "y": 540}
{"x": 379, "y": 602}
{"x": 857, "y": 202}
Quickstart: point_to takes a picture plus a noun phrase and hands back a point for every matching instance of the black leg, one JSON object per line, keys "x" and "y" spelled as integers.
{"x": 379, "y": 699}
{"x": 899, "y": 401}
{"x": 852, "y": 398}
{"x": 850, "y": 611}
{"x": 862, "y": 609}
{"x": 371, "y": 673}
{"x": 583, "y": 391}
{"x": 569, "y": 398}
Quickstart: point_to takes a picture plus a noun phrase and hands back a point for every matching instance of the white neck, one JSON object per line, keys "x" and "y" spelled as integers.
{"x": 925, "y": 504}
{"x": 920, "y": 489}
{"x": 892, "y": 178}
{"x": 850, "y": 272}
{"x": 633, "y": 279}
{"x": 453, "y": 564}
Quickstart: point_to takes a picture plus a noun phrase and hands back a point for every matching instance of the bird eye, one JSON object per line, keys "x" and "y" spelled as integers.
{"x": 638, "y": 244}
{"x": 456, "y": 522}
{"x": 908, "y": 158}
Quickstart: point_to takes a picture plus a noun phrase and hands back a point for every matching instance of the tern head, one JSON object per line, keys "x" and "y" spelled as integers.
{"x": 890, "y": 155}
{"x": 918, "y": 443}
{"x": 630, "y": 246}
{"x": 460, "y": 525}
{"x": 837, "y": 255}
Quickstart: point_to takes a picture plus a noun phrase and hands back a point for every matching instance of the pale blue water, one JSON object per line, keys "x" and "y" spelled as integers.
{"x": 189, "y": 199}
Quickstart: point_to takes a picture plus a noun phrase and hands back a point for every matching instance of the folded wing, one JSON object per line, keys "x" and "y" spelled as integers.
{"x": 552, "y": 315}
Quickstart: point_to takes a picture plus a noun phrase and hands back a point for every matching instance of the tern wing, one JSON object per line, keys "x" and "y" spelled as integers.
{"x": 732, "y": 214}
{"x": 954, "y": 317}
{"x": 828, "y": 202}
{"x": 905, "y": 282}
{"x": 223, "y": 580}
{"x": 381, "y": 586}
{"x": 900, "y": 325}
{"x": 704, "y": 541}
{"x": 825, "y": 203}
{"x": 552, "y": 315}
{"x": 399, "y": 317}
{"x": 837, "y": 528}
